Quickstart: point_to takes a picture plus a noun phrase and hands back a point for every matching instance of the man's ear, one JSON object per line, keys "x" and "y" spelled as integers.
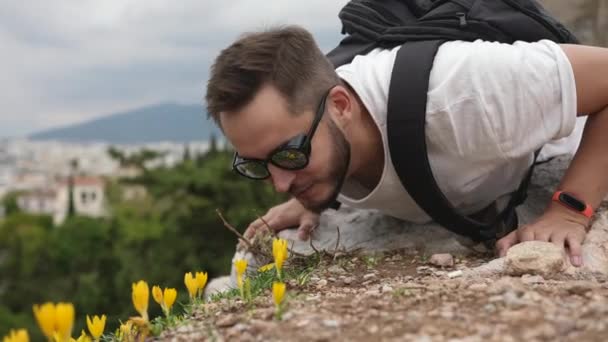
{"x": 341, "y": 106}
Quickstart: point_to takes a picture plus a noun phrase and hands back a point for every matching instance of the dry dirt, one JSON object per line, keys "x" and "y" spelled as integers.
{"x": 401, "y": 297}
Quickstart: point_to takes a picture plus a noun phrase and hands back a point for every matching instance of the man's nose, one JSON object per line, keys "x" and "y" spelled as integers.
{"x": 281, "y": 179}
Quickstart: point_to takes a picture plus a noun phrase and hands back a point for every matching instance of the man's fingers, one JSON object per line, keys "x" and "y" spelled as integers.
{"x": 305, "y": 229}
{"x": 253, "y": 228}
{"x": 507, "y": 241}
{"x": 558, "y": 239}
{"x": 574, "y": 246}
{"x": 525, "y": 235}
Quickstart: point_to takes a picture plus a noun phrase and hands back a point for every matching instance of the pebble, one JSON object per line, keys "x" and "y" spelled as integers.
{"x": 369, "y": 276}
{"x": 348, "y": 280}
{"x": 478, "y": 287}
{"x": 532, "y": 279}
{"x": 386, "y": 288}
{"x": 336, "y": 269}
{"x": 331, "y": 323}
{"x": 303, "y": 323}
{"x": 227, "y": 321}
{"x": 442, "y": 260}
{"x": 580, "y": 287}
{"x": 322, "y": 283}
{"x": 455, "y": 274}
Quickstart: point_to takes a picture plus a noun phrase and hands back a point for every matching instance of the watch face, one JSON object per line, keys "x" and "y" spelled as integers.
{"x": 572, "y": 201}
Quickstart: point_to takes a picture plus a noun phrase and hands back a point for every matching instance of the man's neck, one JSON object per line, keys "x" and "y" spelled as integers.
{"x": 367, "y": 151}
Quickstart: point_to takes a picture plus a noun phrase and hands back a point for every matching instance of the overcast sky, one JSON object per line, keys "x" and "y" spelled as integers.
{"x": 67, "y": 61}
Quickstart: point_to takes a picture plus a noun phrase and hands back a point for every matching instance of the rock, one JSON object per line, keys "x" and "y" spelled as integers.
{"x": 331, "y": 323}
{"x": 455, "y": 274}
{"x": 478, "y": 287}
{"x": 534, "y": 257}
{"x": 336, "y": 269}
{"x": 532, "y": 279}
{"x": 386, "y": 289}
{"x": 217, "y": 285}
{"x": 348, "y": 280}
{"x": 369, "y": 276}
{"x": 227, "y": 321}
{"x": 302, "y": 323}
{"x": 505, "y": 284}
{"x": 580, "y": 287}
{"x": 321, "y": 283}
{"x": 442, "y": 260}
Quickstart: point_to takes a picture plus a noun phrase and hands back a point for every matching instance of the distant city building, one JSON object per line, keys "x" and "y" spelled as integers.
{"x": 87, "y": 193}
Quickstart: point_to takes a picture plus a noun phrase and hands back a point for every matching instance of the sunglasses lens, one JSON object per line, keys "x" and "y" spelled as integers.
{"x": 290, "y": 159}
{"x": 253, "y": 169}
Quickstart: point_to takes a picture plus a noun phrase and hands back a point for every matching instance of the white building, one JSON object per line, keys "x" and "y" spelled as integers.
{"x": 87, "y": 193}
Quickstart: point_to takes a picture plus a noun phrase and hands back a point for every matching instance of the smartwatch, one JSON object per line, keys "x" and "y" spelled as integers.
{"x": 572, "y": 202}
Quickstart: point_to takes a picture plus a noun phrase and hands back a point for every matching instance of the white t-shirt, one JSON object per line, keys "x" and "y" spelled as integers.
{"x": 489, "y": 107}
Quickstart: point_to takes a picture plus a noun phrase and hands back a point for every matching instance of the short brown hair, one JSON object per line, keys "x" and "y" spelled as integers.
{"x": 286, "y": 57}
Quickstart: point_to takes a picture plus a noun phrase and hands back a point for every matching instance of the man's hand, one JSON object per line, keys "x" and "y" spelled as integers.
{"x": 558, "y": 225}
{"x": 290, "y": 214}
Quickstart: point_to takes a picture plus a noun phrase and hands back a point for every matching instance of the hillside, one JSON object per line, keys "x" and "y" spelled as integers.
{"x": 163, "y": 122}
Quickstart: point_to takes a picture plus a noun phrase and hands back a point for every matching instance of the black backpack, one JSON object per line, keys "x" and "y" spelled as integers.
{"x": 421, "y": 26}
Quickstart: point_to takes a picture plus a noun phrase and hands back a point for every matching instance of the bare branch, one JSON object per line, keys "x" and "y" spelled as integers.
{"x": 337, "y": 241}
{"x": 232, "y": 229}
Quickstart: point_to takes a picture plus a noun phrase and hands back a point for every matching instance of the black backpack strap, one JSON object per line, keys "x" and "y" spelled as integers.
{"x": 406, "y": 121}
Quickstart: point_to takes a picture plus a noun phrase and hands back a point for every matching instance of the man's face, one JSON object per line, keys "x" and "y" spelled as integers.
{"x": 266, "y": 123}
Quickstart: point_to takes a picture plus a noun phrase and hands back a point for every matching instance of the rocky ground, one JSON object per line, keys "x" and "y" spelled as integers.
{"x": 410, "y": 289}
{"x": 403, "y": 297}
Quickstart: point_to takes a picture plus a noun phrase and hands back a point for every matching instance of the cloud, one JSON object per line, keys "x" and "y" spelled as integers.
{"x": 67, "y": 61}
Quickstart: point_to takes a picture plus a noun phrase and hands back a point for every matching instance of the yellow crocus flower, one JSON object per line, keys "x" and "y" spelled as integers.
{"x": 45, "y": 316}
{"x": 279, "y": 251}
{"x": 241, "y": 266}
{"x": 125, "y": 332}
{"x": 201, "y": 281}
{"x": 191, "y": 284}
{"x": 169, "y": 298}
{"x": 266, "y": 267}
{"x": 278, "y": 293}
{"x": 19, "y": 335}
{"x": 157, "y": 294}
{"x": 83, "y": 336}
{"x": 140, "y": 295}
{"x": 64, "y": 319}
{"x": 96, "y": 325}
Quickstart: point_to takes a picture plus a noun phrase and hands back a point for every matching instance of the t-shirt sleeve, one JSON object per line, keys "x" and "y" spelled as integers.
{"x": 489, "y": 100}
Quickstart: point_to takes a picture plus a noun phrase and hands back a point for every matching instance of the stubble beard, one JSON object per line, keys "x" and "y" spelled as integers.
{"x": 340, "y": 154}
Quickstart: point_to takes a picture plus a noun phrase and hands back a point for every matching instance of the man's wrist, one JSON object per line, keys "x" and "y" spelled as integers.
{"x": 568, "y": 214}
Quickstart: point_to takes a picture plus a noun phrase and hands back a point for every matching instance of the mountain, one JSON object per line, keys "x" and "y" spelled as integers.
{"x": 163, "y": 122}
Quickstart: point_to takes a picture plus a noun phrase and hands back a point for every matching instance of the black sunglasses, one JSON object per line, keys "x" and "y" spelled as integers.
{"x": 292, "y": 155}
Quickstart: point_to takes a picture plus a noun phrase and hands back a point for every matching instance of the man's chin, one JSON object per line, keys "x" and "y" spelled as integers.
{"x": 318, "y": 206}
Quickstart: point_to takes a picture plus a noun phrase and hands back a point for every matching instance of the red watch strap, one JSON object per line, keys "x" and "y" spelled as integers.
{"x": 587, "y": 210}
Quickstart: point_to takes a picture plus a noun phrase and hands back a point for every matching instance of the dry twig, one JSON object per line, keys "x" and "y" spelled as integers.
{"x": 232, "y": 229}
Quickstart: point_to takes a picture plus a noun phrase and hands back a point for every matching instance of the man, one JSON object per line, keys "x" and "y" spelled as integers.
{"x": 320, "y": 134}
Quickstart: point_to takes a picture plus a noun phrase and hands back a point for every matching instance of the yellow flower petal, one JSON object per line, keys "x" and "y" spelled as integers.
{"x": 201, "y": 280}
{"x": 140, "y": 295}
{"x": 266, "y": 267}
{"x": 64, "y": 319}
{"x": 278, "y": 292}
{"x": 17, "y": 336}
{"x": 96, "y": 325}
{"x": 191, "y": 284}
{"x": 157, "y": 294}
{"x": 45, "y": 316}
{"x": 169, "y": 297}
{"x": 279, "y": 251}
{"x": 83, "y": 336}
{"x": 241, "y": 266}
